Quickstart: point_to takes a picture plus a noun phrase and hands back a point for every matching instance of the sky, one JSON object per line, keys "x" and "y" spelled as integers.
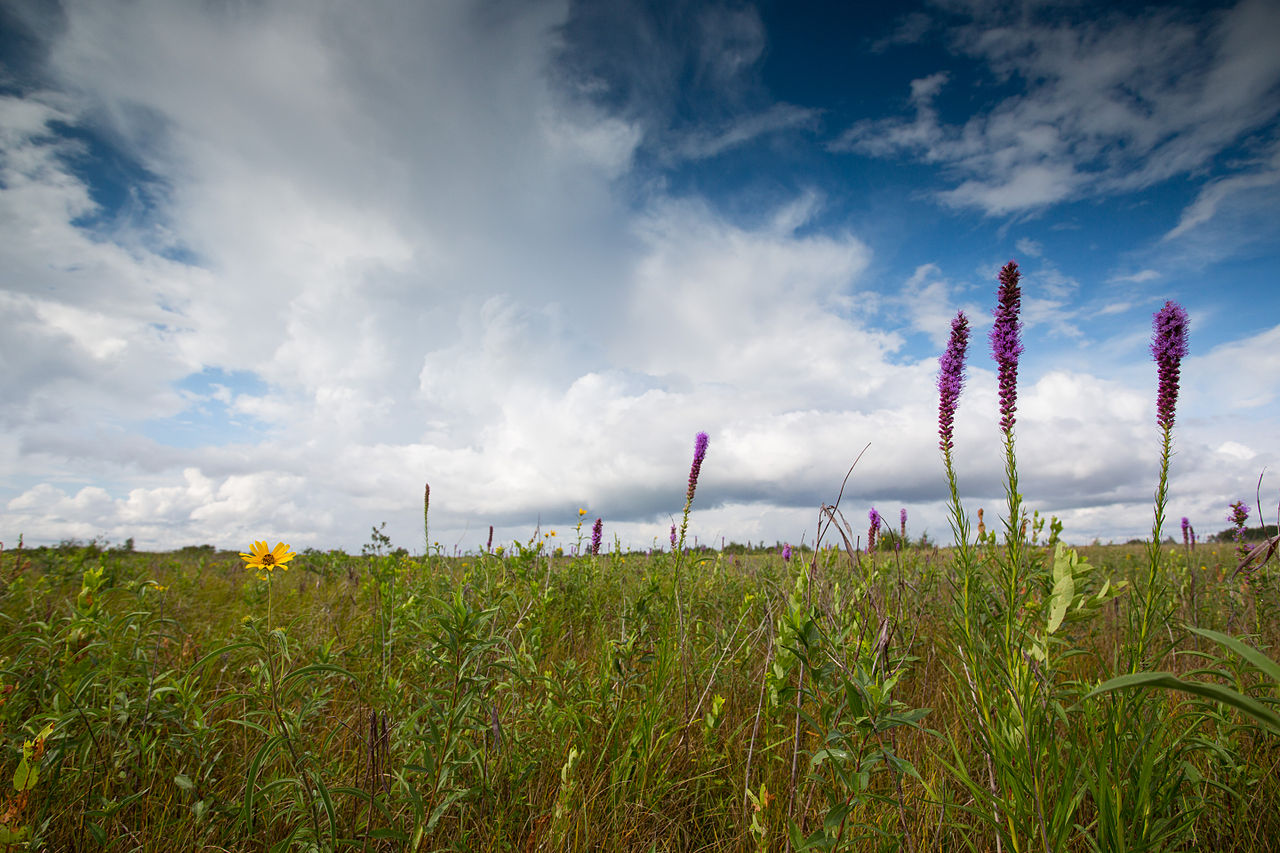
{"x": 268, "y": 267}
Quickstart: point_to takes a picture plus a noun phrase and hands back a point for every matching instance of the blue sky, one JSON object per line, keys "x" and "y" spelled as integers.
{"x": 267, "y": 268}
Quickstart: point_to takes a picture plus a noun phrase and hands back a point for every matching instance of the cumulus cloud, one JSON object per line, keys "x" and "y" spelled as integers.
{"x": 364, "y": 249}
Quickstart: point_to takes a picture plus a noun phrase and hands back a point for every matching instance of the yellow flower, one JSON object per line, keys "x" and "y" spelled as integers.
{"x": 581, "y": 512}
{"x": 267, "y": 560}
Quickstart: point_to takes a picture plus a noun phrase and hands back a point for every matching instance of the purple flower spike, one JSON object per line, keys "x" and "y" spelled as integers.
{"x": 951, "y": 379}
{"x": 1168, "y": 346}
{"x": 786, "y": 553}
{"x": 597, "y": 533}
{"x": 1186, "y": 531}
{"x": 873, "y": 530}
{"x": 673, "y": 537}
{"x": 1006, "y": 344}
{"x": 902, "y": 522}
{"x": 699, "y": 453}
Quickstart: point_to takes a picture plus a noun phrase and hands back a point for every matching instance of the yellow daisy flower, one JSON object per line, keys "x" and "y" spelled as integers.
{"x": 267, "y": 560}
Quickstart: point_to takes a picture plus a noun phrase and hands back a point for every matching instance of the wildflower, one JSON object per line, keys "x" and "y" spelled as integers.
{"x": 1168, "y": 346}
{"x": 581, "y": 512}
{"x": 873, "y": 530}
{"x": 902, "y": 522}
{"x": 488, "y": 546}
{"x": 1006, "y": 345}
{"x": 786, "y": 553}
{"x": 673, "y": 536}
{"x": 597, "y": 533}
{"x": 267, "y": 560}
{"x": 951, "y": 378}
{"x": 1238, "y": 516}
{"x": 699, "y": 453}
{"x": 1186, "y": 532}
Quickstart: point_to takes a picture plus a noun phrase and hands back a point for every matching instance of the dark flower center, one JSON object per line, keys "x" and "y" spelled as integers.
{"x": 268, "y": 559}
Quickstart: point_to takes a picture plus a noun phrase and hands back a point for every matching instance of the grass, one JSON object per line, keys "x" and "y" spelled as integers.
{"x": 1005, "y": 694}
{"x": 529, "y": 702}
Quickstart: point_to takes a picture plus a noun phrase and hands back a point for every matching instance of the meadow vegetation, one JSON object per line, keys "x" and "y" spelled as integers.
{"x": 873, "y": 693}
{"x": 528, "y": 702}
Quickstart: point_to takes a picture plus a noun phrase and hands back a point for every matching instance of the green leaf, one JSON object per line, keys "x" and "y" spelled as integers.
{"x": 327, "y": 802}
{"x": 184, "y": 782}
{"x": 1263, "y": 663}
{"x": 314, "y": 668}
{"x": 1064, "y": 586}
{"x": 13, "y": 836}
{"x": 227, "y": 649}
{"x": 1259, "y": 712}
{"x": 251, "y": 778}
{"x": 26, "y": 776}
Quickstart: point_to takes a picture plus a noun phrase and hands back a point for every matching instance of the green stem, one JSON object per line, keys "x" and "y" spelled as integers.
{"x": 1153, "y": 550}
{"x": 1013, "y": 547}
{"x": 294, "y": 759}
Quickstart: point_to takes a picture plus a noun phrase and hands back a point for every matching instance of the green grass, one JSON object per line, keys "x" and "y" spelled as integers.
{"x": 530, "y": 703}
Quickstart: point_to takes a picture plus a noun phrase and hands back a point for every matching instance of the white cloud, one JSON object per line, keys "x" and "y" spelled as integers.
{"x": 427, "y": 248}
{"x": 1214, "y": 194}
{"x": 1139, "y": 277}
{"x": 1114, "y": 105}
{"x": 708, "y": 143}
{"x": 1029, "y": 247}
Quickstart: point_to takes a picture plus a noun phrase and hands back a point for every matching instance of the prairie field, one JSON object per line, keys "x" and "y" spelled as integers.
{"x": 842, "y": 699}
{"x": 877, "y": 693}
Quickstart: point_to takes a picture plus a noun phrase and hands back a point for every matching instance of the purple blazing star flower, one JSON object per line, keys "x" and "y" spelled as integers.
{"x": 1006, "y": 344}
{"x": 902, "y": 522}
{"x": 1168, "y": 347}
{"x": 1186, "y": 531}
{"x": 699, "y": 453}
{"x": 873, "y": 530}
{"x": 673, "y": 537}
{"x": 951, "y": 379}
{"x": 786, "y": 553}
{"x": 597, "y": 533}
